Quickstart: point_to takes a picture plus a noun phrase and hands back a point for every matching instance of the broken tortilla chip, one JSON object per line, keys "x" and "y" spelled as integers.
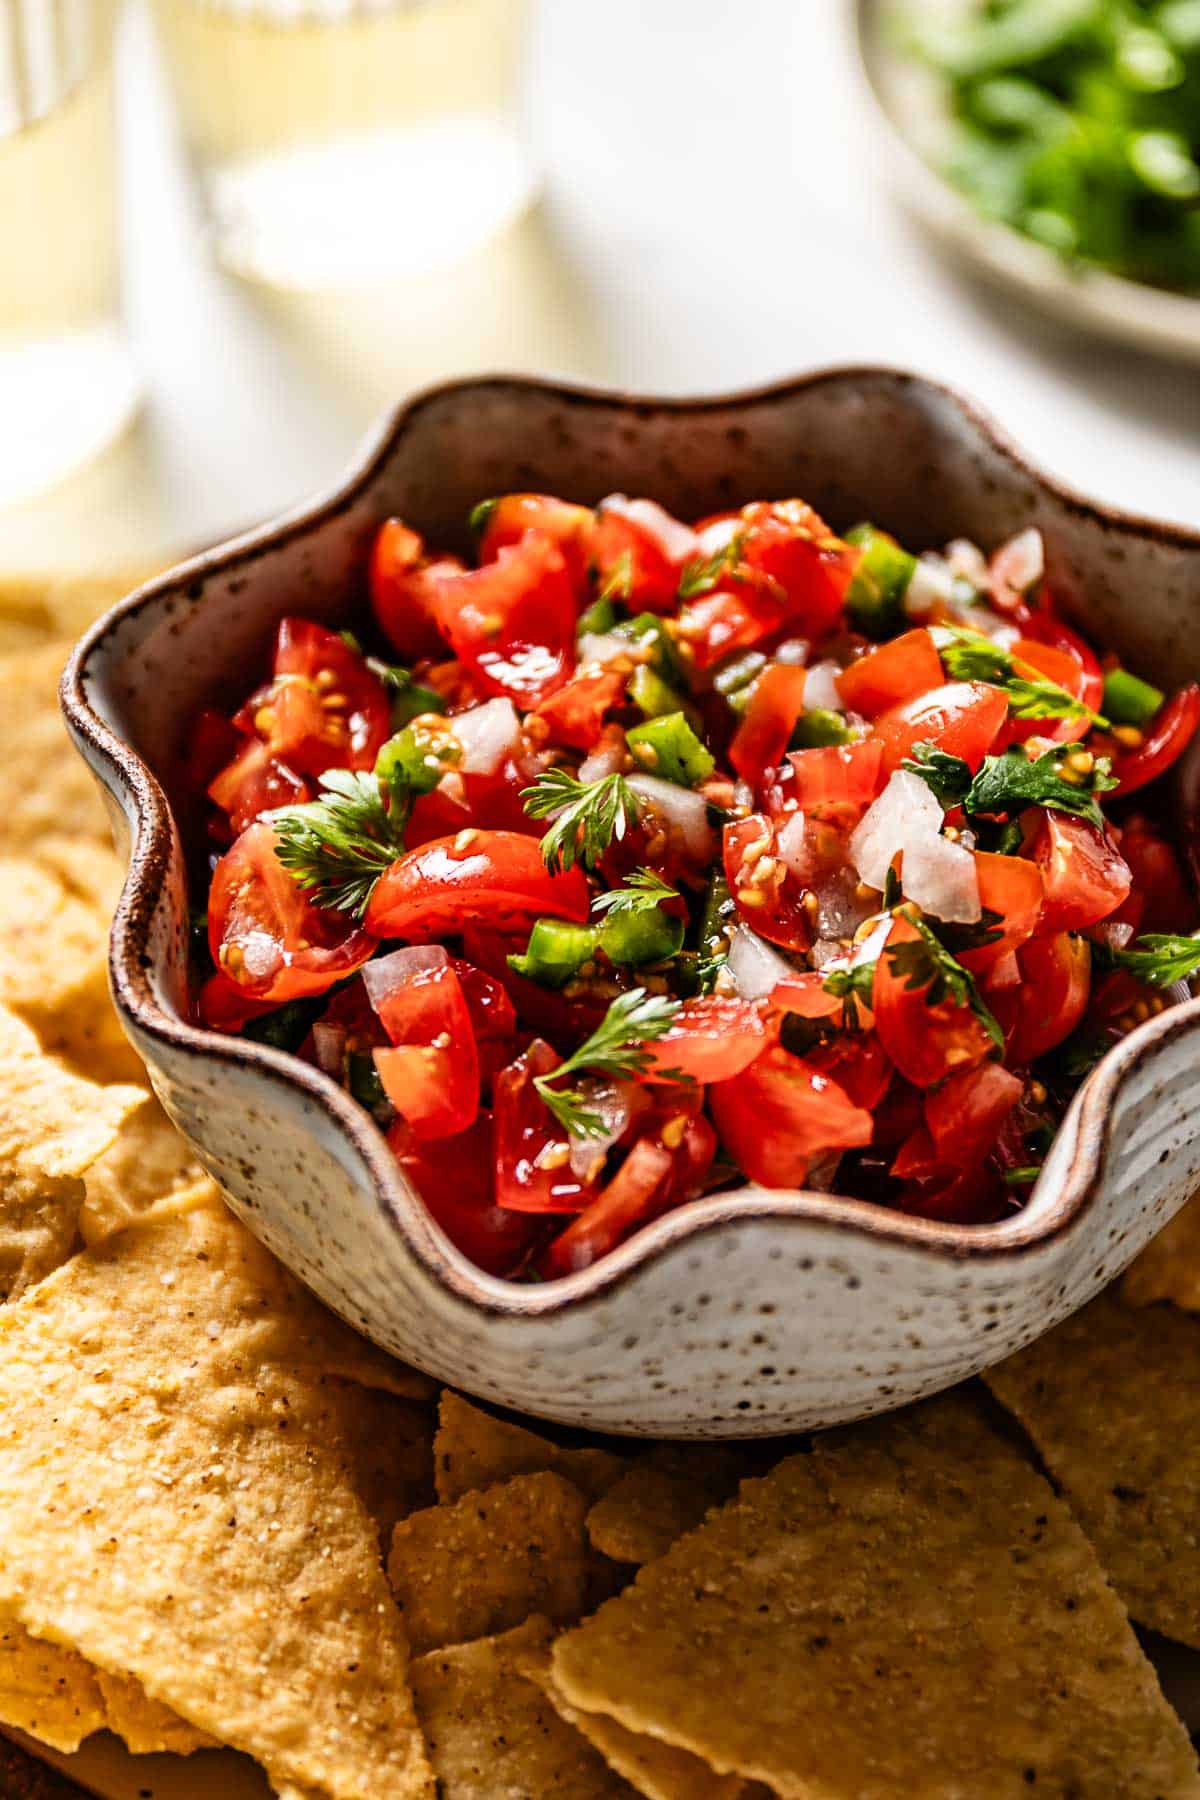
{"x": 489, "y": 1560}
{"x": 146, "y": 1726}
{"x": 50, "y": 1693}
{"x": 492, "y": 1733}
{"x": 390, "y": 1461}
{"x": 148, "y": 1162}
{"x": 663, "y": 1496}
{"x": 49, "y": 786}
{"x": 1111, "y": 1399}
{"x": 767, "y": 1641}
{"x": 473, "y": 1449}
{"x": 1169, "y": 1267}
{"x": 174, "y": 1504}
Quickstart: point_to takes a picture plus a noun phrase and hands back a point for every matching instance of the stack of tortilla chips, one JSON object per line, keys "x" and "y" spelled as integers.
{"x": 227, "y": 1521}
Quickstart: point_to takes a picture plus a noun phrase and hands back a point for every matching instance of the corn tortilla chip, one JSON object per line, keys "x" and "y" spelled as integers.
{"x": 907, "y": 1610}
{"x": 148, "y": 1162}
{"x": 657, "y": 1770}
{"x": 1111, "y": 1398}
{"x": 1169, "y": 1267}
{"x": 174, "y": 1506}
{"x": 390, "y": 1460}
{"x": 475, "y": 1450}
{"x": 60, "y": 606}
{"x": 492, "y": 1733}
{"x": 49, "y": 787}
{"x": 662, "y": 1497}
{"x": 489, "y": 1560}
{"x": 52, "y": 1694}
{"x": 146, "y": 1726}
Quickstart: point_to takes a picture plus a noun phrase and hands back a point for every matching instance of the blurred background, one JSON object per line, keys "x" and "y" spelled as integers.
{"x": 233, "y": 231}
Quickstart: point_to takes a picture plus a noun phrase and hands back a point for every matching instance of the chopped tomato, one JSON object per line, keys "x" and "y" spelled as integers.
{"x": 710, "y": 1039}
{"x": 805, "y": 995}
{"x": 1033, "y": 659}
{"x": 495, "y": 878}
{"x": 1083, "y": 875}
{"x": 256, "y": 782}
{"x": 1164, "y": 741}
{"x": 640, "y": 553}
{"x": 403, "y": 582}
{"x": 223, "y": 1006}
{"x": 728, "y": 619}
{"x": 891, "y": 674}
{"x": 1010, "y": 887}
{"x": 533, "y": 1168}
{"x": 925, "y": 1042}
{"x": 858, "y": 1062}
{"x": 431, "y": 1072}
{"x": 769, "y": 896}
{"x": 652, "y": 1179}
{"x": 974, "y": 1196}
{"x": 1045, "y": 627}
{"x": 808, "y": 567}
{"x": 575, "y": 714}
{"x": 513, "y": 620}
{"x": 569, "y": 527}
{"x": 265, "y": 936}
{"x": 762, "y": 737}
{"x": 780, "y": 1114}
{"x": 835, "y": 776}
{"x": 962, "y": 718}
{"x": 1164, "y": 900}
{"x": 454, "y": 1178}
{"x": 1056, "y": 973}
{"x": 964, "y": 1114}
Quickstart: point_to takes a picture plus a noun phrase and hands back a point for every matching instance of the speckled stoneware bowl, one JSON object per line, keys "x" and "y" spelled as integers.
{"x": 750, "y": 1312}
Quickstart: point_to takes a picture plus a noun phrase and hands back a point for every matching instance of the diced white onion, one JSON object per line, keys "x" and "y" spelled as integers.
{"x": 606, "y": 759}
{"x": 329, "y": 1044}
{"x": 755, "y": 967}
{"x": 967, "y": 559}
{"x": 791, "y": 841}
{"x": 820, "y": 687}
{"x": 841, "y": 909}
{"x": 1021, "y": 563}
{"x": 1113, "y": 933}
{"x": 718, "y": 535}
{"x": 1177, "y": 992}
{"x": 384, "y": 974}
{"x": 906, "y": 812}
{"x": 681, "y": 810}
{"x": 981, "y": 618}
{"x": 487, "y": 733}
{"x": 743, "y": 795}
{"x": 826, "y": 951}
{"x": 932, "y": 583}
{"x": 793, "y": 651}
{"x": 1005, "y": 972}
{"x": 610, "y": 1102}
{"x": 940, "y": 877}
{"x": 603, "y": 647}
{"x": 676, "y": 541}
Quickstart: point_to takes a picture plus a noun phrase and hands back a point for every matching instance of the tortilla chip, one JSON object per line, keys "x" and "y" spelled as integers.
{"x": 148, "y": 1162}
{"x": 491, "y": 1559}
{"x": 1169, "y": 1267}
{"x": 661, "y": 1498}
{"x": 907, "y": 1610}
{"x": 49, "y": 787}
{"x": 50, "y": 1693}
{"x": 659, "y": 1771}
{"x": 53, "y": 1126}
{"x": 390, "y": 1454}
{"x": 173, "y": 1503}
{"x": 146, "y": 1726}
{"x": 492, "y": 1733}
{"x": 1111, "y": 1398}
{"x": 60, "y": 606}
{"x": 475, "y": 1450}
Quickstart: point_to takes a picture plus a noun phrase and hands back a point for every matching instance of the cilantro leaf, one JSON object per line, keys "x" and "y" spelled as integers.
{"x": 703, "y": 574}
{"x": 1159, "y": 959}
{"x": 851, "y": 986}
{"x": 970, "y": 656}
{"x": 948, "y": 776}
{"x": 587, "y": 815}
{"x": 987, "y": 929}
{"x": 614, "y": 1049}
{"x": 926, "y": 963}
{"x": 1007, "y": 783}
{"x": 337, "y": 847}
{"x": 642, "y": 892}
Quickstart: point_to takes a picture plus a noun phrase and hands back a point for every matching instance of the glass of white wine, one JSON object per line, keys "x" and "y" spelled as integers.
{"x": 342, "y": 143}
{"x": 68, "y": 382}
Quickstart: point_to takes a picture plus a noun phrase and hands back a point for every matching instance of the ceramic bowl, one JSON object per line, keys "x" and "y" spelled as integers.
{"x": 749, "y": 1312}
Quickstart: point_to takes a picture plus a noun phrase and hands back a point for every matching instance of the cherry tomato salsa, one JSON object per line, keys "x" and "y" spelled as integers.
{"x": 643, "y": 858}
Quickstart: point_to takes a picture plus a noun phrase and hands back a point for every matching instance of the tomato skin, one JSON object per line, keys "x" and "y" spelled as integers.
{"x": 403, "y": 584}
{"x": 837, "y": 775}
{"x": 525, "y": 1131}
{"x": 710, "y": 1039}
{"x": 762, "y": 736}
{"x": 431, "y": 1072}
{"x": 858, "y": 1062}
{"x": 650, "y": 1181}
{"x": 1056, "y": 972}
{"x": 1167, "y": 737}
{"x": 568, "y": 526}
{"x": 775, "y": 908}
{"x": 1164, "y": 900}
{"x": 641, "y": 550}
{"x": 926, "y": 1043}
{"x": 962, "y": 718}
{"x": 1035, "y": 657}
{"x": 498, "y": 878}
{"x": 512, "y": 621}
{"x": 1012, "y": 887}
{"x": 258, "y": 919}
{"x": 726, "y": 620}
{"x": 223, "y": 1006}
{"x": 256, "y": 782}
{"x": 809, "y": 568}
{"x": 575, "y": 714}
{"x": 778, "y": 1115}
{"x": 1083, "y": 875}
{"x": 1043, "y": 626}
{"x": 454, "y": 1179}
{"x": 964, "y": 1115}
{"x": 891, "y": 674}
{"x": 964, "y": 1197}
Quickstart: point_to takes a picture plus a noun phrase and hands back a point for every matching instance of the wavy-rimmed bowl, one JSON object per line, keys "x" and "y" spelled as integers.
{"x": 750, "y": 1312}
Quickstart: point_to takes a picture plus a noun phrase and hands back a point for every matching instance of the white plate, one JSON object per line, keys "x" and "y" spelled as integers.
{"x": 907, "y": 113}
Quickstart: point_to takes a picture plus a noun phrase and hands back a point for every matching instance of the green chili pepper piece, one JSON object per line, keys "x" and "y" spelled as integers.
{"x": 556, "y": 951}
{"x": 1128, "y": 700}
{"x": 668, "y": 746}
{"x": 875, "y": 597}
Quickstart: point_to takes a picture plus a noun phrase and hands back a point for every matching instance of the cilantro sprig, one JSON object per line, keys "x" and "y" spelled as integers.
{"x": 642, "y": 892}
{"x": 1012, "y": 781}
{"x": 851, "y": 986}
{"x": 970, "y": 656}
{"x": 616, "y": 1049}
{"x": 1159, "y": 958}
{"x": 925, "y": 962}
{"x": 587, "y": 815}
{"x": 337, "y": 847}
{"x": 703, "y": 574}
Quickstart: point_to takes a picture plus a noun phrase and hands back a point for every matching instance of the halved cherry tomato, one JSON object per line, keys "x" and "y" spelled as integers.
{"x": 568, "y": 526}
{"x": 223, "y": 1006}
{"x": 891, "y": 674}
{"x": 640, "y": 553}
{"x": 512, "y": 621}
{"x": 1165, "y": 740}
{"x": 1164, "y": 900}
{"x": 1012, "y": 887}
{"x": 431, "y": 1072}
{"x": 834, "y": 776}
{"x": 533, "y": 1170}
{"x": 1083, "y": 875}
{"x": 495, "y": 878}
{"x": 265, "y": 936}
{"x": 766, "y": 891}
{"x": 575, "y": 714}
{"x": 762, "y": 737}
{"x": 256, "y": 782}
{"x": 780, "y": 1114}
{"x": 403, "y": 583}
{"x": 1056, "y": 972}
{"x": 809, "y": 568}
{"x": 454, "y": 1178}
{"x": 710, "y": 1039}
{"x": 925, "y": 1042}
{"x": 964, "y": 1114}
{"x": 962, "y": 718}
